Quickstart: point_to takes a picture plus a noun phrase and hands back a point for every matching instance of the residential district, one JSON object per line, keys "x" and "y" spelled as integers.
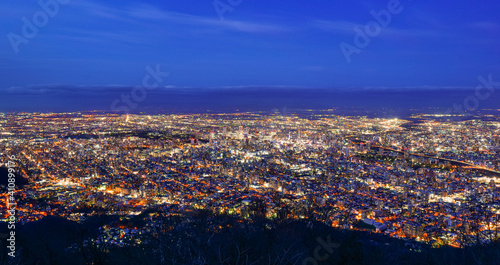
{"x": 424, "y": 178}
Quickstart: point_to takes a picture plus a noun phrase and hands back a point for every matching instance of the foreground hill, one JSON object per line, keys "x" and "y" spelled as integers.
{"x": 202, "y": 238}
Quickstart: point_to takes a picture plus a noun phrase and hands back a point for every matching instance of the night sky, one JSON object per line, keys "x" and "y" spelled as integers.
{"x": 95, "y": 47}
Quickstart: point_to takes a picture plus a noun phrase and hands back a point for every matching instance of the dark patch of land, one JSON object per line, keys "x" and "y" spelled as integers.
{"x": 200, "y": 237}
{"x": 140, "y": 134}
{"x": 4, "y": 179}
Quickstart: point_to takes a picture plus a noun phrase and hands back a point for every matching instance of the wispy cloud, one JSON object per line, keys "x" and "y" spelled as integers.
{"x": 485, "y": 25}
{"x": 313, "y": 68}
{"x": 117, "y": 89}
{"x": 347, "y": 27}
{"x": 150, "y": 13}
{"x": 340, "y": 26}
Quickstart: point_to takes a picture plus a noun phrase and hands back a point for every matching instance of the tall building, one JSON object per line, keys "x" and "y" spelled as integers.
{"x": 413, "y": 229}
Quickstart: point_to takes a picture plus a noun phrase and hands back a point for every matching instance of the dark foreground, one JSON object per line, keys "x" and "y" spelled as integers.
{"x": 199, "y": 237}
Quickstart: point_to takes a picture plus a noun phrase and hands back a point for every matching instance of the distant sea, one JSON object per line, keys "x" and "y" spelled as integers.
{"x": 370, "y": 102}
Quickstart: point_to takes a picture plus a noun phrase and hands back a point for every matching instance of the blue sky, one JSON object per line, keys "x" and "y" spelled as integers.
{"x": 259, "y": 43}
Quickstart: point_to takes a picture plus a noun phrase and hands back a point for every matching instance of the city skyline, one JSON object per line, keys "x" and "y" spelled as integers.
{"x": 401, "y": 178}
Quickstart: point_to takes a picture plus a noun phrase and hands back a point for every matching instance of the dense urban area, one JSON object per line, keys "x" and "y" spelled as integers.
{"x": 424, "y": 178}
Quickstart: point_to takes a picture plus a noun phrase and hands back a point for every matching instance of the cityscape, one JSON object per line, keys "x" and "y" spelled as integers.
{"x": 425, "y": 178}
{"x": 233, "y": 132}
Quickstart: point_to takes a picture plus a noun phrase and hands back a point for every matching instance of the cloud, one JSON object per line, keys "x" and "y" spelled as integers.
{"x": 313, "y": 68}
{"x": 340, "y": 26}
{"x": 485, "y": 25}
{"x": 153, "y": 13}
{"x": 63, "y": 89}
{"x": 347, "y": 27}
{"x": 150, "y": 13}
{"x": 117, "y": 89}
